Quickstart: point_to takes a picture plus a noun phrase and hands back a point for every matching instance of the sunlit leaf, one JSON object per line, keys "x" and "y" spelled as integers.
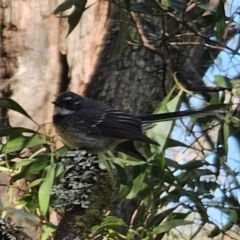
{"x": 22, "y": 163}
{"x": 165, "y": 4}
{"x": 20, "y": 143}
{"x": 45, "y": 188}
{"x": 35, "y": 183}
{"x": 222, "y": 81}
{"x": 5, "y": 169}
{"x": 47, "y": 230}
{"x": 109, "y": 222}
{"x": 168, "y": 225}
{"x": 137, "y": 185}
{"x": 161, "y": 131}
{"x": 122, "y": 162}
{"x": 35, "y": 167}
{"x": 8, "y": 103}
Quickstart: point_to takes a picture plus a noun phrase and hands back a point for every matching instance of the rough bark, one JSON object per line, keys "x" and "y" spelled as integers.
{"x": 35, "y": 41}
{"x": 131, "y": 80}
{"x": 34, "y": 55}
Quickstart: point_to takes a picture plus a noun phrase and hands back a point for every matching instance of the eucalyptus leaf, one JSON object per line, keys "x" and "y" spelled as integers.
{"x": 8, "y": 131}
{"x": 76, "y": 15}
{"x": 35, "y": 167}
{"x": 168, "y": 225}
{"x": 35, "y": 183}
{"x": 8, "y": 103}
{"x": 161, "y": 131}
{"x": 20, "y": 143}
{"x": 45, "y": 188}
{"x": 137, "y": 185}
{"x": 109, "y": 222}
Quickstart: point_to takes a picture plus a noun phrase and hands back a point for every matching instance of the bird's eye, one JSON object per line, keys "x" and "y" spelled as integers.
{"x": 68, "y": 100}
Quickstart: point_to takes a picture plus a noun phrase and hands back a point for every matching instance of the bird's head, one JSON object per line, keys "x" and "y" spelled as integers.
{"x": 67, "y": 103}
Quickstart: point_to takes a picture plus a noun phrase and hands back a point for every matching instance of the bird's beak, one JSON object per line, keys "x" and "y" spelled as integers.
{"x": 55, "y": 103}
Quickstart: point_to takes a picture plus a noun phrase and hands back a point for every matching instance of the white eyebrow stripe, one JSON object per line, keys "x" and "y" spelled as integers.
{"x": 67, "y": 98}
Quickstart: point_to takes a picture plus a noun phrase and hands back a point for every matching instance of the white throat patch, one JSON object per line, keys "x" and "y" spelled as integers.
{"x": 62, "y": 111}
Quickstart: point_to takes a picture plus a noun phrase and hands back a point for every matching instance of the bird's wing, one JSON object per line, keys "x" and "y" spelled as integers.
{"x": 114, "y": 123}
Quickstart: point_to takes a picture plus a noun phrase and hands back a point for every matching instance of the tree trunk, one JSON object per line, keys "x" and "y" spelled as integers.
{"x": 36, "y": 51}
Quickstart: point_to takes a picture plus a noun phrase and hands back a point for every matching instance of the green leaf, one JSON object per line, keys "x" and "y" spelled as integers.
{"x": 76, "y": 15}
{"x": 158, "y": 218}
{"x": 192, "y": 165}
{"x": 109, "y": 222}
{"x": 226, "y": 133}
{"x": 220, "y": 28}
{"x": 61, "y": 152}
{"x": 59, "y": 169}
{"x": 123, "y": 190}
{"x": 36, "y": 166}
{"x": 222, "y": 81}
{"x": 175, "y": 143}
{"x": 47, "y": 230}
{"x": 25, "y": 200}
{"x": 22, "y": 163}
{"x": 123, "y": 34}
{"x": 63, "y": 6}
{"x": 45, "y": 188}
{"x": 15, "y": 131}
{"x": 137, "y": 185}
{"x": 5, "y": 169}
{"x": 121, "y": 175}
{"x": 161, "y": 131}
{"x": 168, "y": 225}
{"x": 165, "y": 4}
{"x": 35, "y": 183}
{"x": 164, "y": 102}
{"x": 20, "y": 143}
{"x": 122, "y": 162}
{"x": 11, "y": 104}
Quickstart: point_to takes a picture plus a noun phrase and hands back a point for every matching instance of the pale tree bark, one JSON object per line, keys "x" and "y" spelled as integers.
{"x": 34, "y": 42}
{"x": 34, "y": 49}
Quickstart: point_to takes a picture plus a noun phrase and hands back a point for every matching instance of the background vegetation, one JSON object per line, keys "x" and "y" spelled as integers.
{"x": 154, "y": 56}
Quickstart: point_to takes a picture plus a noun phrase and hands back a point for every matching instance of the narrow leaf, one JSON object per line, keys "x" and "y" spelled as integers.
{"x": 20, "y": 143}
{"x": 63, "y": 6}
{"x": 36, "y": 166}
{"x": 76, "y": 15}
{"x": 35, "y": 183}
{"x": 161, "y": 131}
{"x": 14, "y": 131}
{"x": 11, "y": 104}
{"x": 108, "y": 222}
{"x": 166, "y": 226}
{"x": 137, "y": 185}
{"x": 45, "y": 188}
